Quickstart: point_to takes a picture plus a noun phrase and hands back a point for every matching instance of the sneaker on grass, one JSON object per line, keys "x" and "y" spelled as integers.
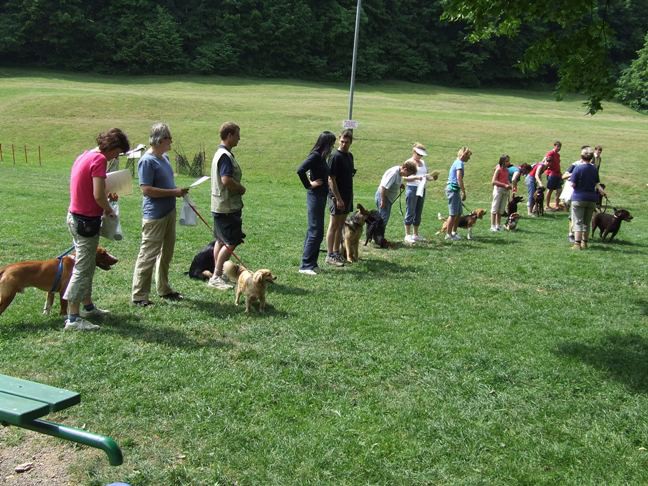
{"x": 332, "y": 260}
{"x": 218, "y": 282}
{"x": 307, "y": 271}
{"x": 94, "y": 312}
{"x": 80, "y": 325}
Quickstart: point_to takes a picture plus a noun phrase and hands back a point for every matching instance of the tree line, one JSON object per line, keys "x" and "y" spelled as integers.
{"x": 305, "y": 39}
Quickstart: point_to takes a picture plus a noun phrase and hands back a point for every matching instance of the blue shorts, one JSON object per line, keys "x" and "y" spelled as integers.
{"x": 454, "y": 202}
{"x": 228, "y": 228}
{"x": 554, "y": 182}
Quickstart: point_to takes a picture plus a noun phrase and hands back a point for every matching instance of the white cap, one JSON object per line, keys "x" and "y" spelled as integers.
{"x": 420, "y": 151}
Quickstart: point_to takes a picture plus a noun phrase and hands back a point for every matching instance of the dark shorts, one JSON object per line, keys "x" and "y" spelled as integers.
{"x": 347, "y": 208}
{"x": 554, "y": 182}
{"x": 228, "y": 228}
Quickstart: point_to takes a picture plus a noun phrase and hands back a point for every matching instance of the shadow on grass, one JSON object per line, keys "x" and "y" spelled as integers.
{"x": 288, "y": 290}
{"x": 623, "y": 358}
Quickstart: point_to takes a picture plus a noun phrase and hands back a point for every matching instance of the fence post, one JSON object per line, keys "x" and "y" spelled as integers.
{"x": 1, "y": 158}
{"x": 13, "y": 153}
{"x": 39, "y": 157}
{"x": 26, "y": 162}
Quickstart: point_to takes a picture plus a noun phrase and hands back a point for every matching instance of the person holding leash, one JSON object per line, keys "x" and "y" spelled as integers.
{"x": 415, "y": 194}
{"x": 554, "y": 176}
{"x": 158, "y": 219}
{"x": 501, "y": 191}
{"x": 340, "y": 183}
{"x": 88, "y": 203}
{"x": 390, "y": 185}
{"x": 313, "y": 173}
{"x": 456, "y": 192}
{"x": 226, "y": 203}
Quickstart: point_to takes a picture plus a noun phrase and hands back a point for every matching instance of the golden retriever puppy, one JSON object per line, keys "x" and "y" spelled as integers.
{"x": 253, "y": 285}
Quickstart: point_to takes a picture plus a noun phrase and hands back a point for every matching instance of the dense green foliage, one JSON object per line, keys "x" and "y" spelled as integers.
{"x": 633, "y": 84}
{"x": 585, "y": 41}
{"x": 312, "y": 40}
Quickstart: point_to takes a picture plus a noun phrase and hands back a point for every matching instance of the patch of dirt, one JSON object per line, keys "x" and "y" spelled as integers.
{"x": 49, "y": 458}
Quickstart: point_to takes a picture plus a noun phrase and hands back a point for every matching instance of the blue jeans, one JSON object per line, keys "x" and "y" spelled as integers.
{"x": 531, "y": 188}
{"x": 386, "y": 211}
{"x": 315, "y": 205}
{"x": 413, "y": 206}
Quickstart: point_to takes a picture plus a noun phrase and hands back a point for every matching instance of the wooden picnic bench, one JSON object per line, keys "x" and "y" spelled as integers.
{"x": 22, "y": 402}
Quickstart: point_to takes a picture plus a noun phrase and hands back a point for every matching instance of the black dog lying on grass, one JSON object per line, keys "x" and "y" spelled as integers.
{"x": 203, "y": 262}
{"x": 609, "y": 224}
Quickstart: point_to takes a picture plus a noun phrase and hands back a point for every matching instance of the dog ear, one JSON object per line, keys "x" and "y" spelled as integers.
{"x": 362, "y": 209}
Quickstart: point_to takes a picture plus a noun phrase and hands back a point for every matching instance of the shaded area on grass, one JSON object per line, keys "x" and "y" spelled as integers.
{"x": 623, "y": 357}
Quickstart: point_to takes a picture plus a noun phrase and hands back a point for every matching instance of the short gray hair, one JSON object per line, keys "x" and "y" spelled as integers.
{"x": 158, "y": 132}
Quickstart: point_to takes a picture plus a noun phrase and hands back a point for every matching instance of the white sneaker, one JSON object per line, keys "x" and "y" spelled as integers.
{"x": 448, "y": 237}
{"x": 409, "y": 239}
{"x": 418, "y": 238}
{"x": 498, "y": 228}
{"x": 493, "y": 229}
{"x": 80, "y": 325}
{"x": 96, "y": 312}
{"x": 307, "y": 271}
{"x": 455, "y": 237}
{"x": 219, "y": 283}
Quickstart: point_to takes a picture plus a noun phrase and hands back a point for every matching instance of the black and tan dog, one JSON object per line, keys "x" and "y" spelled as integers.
{"x": 609, "y": 224}
{"x": 352, "y": 232}
{"x": 376, "y": 229}
{"x": 202, "y": 264}
{"x": 51, "y": 275}
{"x": 466, "y": 221}
{"x": 512, "y": 221}
{"x": 512, "y": 206}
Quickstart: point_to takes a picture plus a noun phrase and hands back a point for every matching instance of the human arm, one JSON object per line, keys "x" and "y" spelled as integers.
{"x": 230, "y": 183}
{"x": 339, "y": 203}
{"x": 538, "y": 173}
{"x": 306, "y": 166}
{"x": 515, "y": 179}
{"x": 154, "y": 192}
{"x": 383, "y": 196}
{"x": 100, "y": 196}
{"x": 461, "y": 184}
{"x": 496, "y": 182}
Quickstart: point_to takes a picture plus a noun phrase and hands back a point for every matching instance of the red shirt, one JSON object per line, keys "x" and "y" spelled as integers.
{"x": 88, "y": 165}
{"x": 535, "y": 168}
{"x": 501, "y": 175}
{"x": 553, "y": 169}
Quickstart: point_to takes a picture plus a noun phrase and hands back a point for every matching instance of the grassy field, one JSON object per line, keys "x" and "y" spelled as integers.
{"x": 508, "y": 359}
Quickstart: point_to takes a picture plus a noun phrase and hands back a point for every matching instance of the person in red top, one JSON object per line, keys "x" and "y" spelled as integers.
{"x": 88, "y": 203}
{"x": 501, "y": 189}
{"x": 533, "y": 181}
{"x": 554, "y": 175}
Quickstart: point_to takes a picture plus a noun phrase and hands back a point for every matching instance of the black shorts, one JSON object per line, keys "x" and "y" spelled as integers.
{"x": 228, "y": 228}
{"x": 348, "y": 205}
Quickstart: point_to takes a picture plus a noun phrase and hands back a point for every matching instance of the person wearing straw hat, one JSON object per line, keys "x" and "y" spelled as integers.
{"x": 158, "y": 219}
{"x": 415, "y": 194}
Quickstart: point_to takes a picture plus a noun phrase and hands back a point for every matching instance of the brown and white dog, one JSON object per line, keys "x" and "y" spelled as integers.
{"x": 512, "y": 221}
{"x": 42, "y": 274}
{"x": 352, "y": 232}
{"x": 253, "y": 285}
{"x": 466, "y": 221}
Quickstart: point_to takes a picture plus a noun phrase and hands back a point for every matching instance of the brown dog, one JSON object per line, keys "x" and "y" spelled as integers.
{"x": 609, "y": 224}
{"x": 465, "y": 221}
{"x": 253, "y": 285}
{"x": 232, "y": 270}
{"x": 352, "y": 232}
{"x": 537, "y": 206}
{"x": 42, "y": 274}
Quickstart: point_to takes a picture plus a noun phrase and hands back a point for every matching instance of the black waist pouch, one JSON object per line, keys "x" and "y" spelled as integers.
{"x": 87, "y": 226}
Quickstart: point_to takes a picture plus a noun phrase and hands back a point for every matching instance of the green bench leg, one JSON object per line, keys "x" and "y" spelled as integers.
{"x": 107, "y": 444}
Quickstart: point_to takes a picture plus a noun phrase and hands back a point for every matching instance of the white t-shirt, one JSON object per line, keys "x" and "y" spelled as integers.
{"x": 391, "y": 181}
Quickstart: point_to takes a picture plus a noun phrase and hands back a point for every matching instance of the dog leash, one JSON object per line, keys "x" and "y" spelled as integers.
{"x": 59, "y": 269}
{"x": 230, "y": 250}
{"x": 400, "y": 202}
{"x": 465, "y": 207}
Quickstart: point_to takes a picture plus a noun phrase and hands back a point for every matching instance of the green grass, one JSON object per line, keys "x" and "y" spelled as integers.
{"x": 508, "y": 359}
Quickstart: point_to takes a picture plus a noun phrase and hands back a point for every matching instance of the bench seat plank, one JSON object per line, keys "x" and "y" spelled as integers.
{"x": 55, "y": 398}
{"x": 18, "y": 410}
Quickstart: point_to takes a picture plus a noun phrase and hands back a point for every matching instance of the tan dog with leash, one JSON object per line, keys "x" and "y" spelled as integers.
{"x": 253, "y": 285}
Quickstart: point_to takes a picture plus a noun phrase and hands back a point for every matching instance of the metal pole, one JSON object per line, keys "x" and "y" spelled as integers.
{"x": 355, "y": 55}
{"x": 13, "y": 153}
{"x": 39, "y": 157}
{"x": 26, "y": 162}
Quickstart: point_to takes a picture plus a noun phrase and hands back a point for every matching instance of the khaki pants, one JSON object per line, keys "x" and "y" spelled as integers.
{"x": 156, "y": 250}
{"x": 80, "y": 286}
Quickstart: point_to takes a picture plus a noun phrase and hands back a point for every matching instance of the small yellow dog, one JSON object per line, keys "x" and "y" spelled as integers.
{"x": 253, "y": 285}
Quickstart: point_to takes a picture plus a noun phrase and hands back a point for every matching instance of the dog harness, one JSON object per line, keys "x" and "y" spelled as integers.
{"x": 59, "y": 270}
